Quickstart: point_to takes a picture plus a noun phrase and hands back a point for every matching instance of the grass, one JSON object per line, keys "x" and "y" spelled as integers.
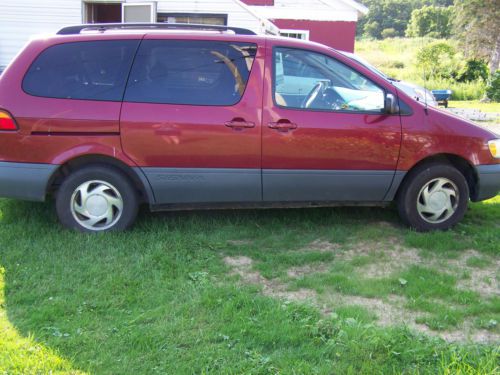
{"x": 396, "y": 57}
{"x": 159, "y": 298}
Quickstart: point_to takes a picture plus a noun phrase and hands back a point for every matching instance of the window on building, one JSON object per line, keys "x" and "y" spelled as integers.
{"x": 194, "y": 18}
{"x": 190, "y": 72}
{"x": 82, "y": 70}
{"x": 296, "y": 34}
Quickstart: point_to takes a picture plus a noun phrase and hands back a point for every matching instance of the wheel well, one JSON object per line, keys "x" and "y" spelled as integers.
{"x": 74, "y": 164}
{"x": 467, "y": 170}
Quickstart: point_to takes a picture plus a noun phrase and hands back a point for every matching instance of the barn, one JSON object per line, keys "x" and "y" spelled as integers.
{"x": 331, "y": 22}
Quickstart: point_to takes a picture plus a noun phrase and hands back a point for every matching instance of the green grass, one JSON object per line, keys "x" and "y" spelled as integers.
{"x": 396, "y": 57}
{"x": 159, "y": 298}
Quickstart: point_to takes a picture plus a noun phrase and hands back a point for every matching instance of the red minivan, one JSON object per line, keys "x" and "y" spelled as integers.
{"x": 106, "y": 117}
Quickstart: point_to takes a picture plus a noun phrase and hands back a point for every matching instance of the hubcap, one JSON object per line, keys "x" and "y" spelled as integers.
{"x": 96, "y": 205}
{"x": 438, "y": 200}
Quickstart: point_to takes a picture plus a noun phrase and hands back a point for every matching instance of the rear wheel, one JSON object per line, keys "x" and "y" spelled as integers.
{"x": 97, "y": 199}
{"x": 434, "y": 196}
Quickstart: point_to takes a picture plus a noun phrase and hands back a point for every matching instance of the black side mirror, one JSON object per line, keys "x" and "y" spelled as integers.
{"x": 391, "y": 104}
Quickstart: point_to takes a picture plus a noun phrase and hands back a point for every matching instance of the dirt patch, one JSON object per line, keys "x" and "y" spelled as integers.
{"x": 308, "y": 269}
{"x": 388, "y": 257}
{"x": 322, "y": 246}
{"x": 485, "y": 280}
{"x": 242, "y": 266}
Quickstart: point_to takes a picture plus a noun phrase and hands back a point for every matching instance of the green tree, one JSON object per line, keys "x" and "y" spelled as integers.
{"x": 391, "y": 14}
{"x": 438, "y": 60}
{"x": 477, "y": 25}
{"x": 431, "y": 21}
{"x": 386, "y": 14}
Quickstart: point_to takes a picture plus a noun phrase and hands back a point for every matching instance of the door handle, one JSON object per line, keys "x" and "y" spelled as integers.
{"x": 282, "y": 125}
{"x": 239, "y": 123}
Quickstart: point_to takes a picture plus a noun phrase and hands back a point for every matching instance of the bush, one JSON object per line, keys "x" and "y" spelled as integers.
{"x": 389, "y": 33}
{"x": 493, "y": 89}
{"x": 438, "y": 60}
{"x": 474, "y": 69}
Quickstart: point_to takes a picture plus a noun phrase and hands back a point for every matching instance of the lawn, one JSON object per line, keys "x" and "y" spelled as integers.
{"x": 317, "y": 291}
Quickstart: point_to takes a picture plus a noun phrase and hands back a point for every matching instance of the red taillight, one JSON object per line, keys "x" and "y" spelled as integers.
{"x": 7, "y": 122}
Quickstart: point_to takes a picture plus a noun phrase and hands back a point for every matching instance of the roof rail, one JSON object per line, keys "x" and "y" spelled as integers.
{"x": 72, "y": 30}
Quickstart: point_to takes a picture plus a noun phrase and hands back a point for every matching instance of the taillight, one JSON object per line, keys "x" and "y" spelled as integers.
{"x": 7, "y": 123}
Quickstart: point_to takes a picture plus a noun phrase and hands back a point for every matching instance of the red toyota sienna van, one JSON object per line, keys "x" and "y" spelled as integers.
{"x": 106, "y": 117}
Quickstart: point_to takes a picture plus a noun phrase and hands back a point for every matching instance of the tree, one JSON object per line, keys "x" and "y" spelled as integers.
{"x": 438, "y": 60}
{"x": 478, "y": 28}
{"x": 391, "y": 14}
{"x": 386, "y": 14}
{"x": 430, "y": 21}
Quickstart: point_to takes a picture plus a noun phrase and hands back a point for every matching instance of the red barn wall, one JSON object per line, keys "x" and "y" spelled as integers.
{"x": 336, "y": 34}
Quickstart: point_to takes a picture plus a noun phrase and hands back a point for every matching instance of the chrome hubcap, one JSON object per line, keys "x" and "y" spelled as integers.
{"x": 437, "y": 200}
{"x": 96, "y": 205}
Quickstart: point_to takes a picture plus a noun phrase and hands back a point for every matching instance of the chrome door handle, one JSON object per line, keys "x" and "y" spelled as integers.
{"x": 282, "y": 125}
{"x": 239, "y": 123}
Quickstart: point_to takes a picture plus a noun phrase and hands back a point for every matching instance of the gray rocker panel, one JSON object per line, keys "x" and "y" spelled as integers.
{"x": 26, "y": 181}
{"x": 201, "y": 185}
{"x": 325, "y": 185}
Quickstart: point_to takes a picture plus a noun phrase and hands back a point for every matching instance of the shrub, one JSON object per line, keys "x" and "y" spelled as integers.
{"x": 438, "y": 60}
{"x": 389, "y": 33}
{"x": 493, "y": 89}
{"x": 474, "y": 69}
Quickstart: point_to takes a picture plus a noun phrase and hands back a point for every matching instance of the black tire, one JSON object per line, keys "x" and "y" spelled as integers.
{"x": 411, "y": 202}
{"x": 109, "y": 189}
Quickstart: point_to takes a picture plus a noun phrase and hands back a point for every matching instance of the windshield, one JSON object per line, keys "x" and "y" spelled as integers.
{"x": 365, "y": 63}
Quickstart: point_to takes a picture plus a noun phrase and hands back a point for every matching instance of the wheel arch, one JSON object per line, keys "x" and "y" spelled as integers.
{"x": 463, "y": 165}
{"x": 135, "y": 175}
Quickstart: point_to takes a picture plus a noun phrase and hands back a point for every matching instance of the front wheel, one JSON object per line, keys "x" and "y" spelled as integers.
{"x": 97, "y": 199}
{"x": 433, "y": 197}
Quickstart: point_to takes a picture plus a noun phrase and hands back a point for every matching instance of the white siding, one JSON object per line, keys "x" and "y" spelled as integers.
{"x": 238, "y": 14}
{"x": 22, "y": 19}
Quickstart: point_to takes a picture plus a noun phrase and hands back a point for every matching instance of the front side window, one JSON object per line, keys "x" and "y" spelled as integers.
{"x": 82, "y": 70}
{"x": 309, "y": 80}
{"x": 190, "y": 72}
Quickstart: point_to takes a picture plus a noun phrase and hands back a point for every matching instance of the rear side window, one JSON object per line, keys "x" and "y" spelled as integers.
{"x": 190, "y": 72}
{"x": 82, "y": 70}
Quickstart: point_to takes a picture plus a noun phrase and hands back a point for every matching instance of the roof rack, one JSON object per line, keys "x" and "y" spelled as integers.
{"x": 72, "y": 30}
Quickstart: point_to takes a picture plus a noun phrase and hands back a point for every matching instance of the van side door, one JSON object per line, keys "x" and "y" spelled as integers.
{"x": 191, "y": 118}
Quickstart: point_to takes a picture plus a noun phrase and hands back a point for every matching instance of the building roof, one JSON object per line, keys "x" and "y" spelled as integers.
{"x": 315, "y": 10}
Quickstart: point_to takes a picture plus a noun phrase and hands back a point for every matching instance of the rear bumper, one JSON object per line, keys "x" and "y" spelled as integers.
{"x": 489, "y": 182}
{"x": 27, "y": 181}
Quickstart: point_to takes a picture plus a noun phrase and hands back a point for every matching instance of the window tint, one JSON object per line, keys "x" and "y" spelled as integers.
{"x": 190, "y": 72}
{"x": 82, "y": 70}
{"x": 309, "y": 80}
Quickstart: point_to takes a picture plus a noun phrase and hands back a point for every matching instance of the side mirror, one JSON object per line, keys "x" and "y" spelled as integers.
{"x": 391, "y": 104}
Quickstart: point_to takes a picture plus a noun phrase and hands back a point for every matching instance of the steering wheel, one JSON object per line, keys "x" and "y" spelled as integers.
{"x": 313, "y": 94}
{"x": 333, "y": 99}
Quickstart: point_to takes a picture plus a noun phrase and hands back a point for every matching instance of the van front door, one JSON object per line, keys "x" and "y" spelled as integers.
{"x": 326, "y": 136}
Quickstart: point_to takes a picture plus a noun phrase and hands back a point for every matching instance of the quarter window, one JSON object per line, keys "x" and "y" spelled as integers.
{"x": 190, "y": 72}
{"x": 82, "y": 70}
{"x": 309, "y": 80}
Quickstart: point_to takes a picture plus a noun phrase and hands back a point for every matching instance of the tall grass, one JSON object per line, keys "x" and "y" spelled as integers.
{"x": 396, "y": 57}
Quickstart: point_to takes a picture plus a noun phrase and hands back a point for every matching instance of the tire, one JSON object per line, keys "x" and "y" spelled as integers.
{"x": 433, "y": 197}
{"x": 95, "y": 199}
